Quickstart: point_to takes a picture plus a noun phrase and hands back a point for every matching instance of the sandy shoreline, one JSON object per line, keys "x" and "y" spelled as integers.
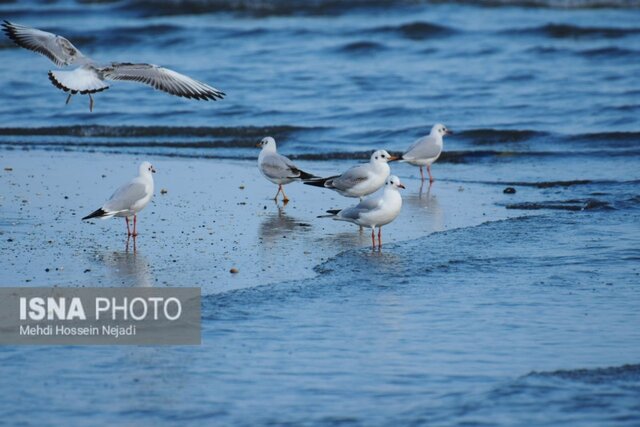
{"x": 216, "y": 215}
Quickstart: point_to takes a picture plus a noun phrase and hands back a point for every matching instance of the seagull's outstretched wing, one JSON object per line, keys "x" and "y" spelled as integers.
{"x": 58, "y": 49}
{"x": 162, "y": 79}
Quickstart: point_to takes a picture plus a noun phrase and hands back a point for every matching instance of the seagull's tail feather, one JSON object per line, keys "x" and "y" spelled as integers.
{"x": 332, "y": 213}
{"x": 319, "y": 182}
{"x": 99, "y": 213}
{"x": 79, "y": 80}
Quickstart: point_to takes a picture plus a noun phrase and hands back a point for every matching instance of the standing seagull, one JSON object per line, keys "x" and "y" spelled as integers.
{"x": 277, "y": 168}
{"x": 374, "y": 211}
{"x": 129, "y": 199}
{"x": 89, "y": 77}
{"x": 360, "y": 180}
{"x": 427, "y": 149}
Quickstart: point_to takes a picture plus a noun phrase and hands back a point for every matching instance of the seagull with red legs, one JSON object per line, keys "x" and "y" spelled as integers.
{"x": 426, "y": 150}
{"x": 373, "y": 211}
{"x": 130, "y": 199}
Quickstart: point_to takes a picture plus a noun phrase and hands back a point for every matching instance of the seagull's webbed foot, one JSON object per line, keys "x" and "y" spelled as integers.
{"x": 285, "y": 199}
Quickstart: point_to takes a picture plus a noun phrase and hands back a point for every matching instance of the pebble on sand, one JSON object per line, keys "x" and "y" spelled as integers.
{"x": 164, "y": 191}
{"x": 8, "y": 168}
{"x": 509, "y": 190}
{"x": 234, "y": 270}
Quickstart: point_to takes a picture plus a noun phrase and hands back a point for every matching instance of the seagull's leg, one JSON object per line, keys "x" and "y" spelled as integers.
{"x": 430, "y": 176}
{"x": 135, "y": 232}
{"x": 285, "y": 199}
{"x": 91, "y": 110}
{"x": 279, "y": 189}
{"x": 379, "y": 237}
{"x": 373, "y": 237}
{"x": 126, "y": 219}
{"x": 421, "y": 174}
{"x": 68, "y": 99}
{"x": 361, "y": 226}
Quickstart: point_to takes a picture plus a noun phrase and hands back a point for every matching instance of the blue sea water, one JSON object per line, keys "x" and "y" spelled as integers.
{"x": 526, "y": 321}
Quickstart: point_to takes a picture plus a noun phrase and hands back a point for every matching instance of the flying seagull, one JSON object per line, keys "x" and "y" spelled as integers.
{"x": 278, "y": 168}
{"x": 426, "y": 150}
{"x": 360, "y": 180}
{"x": 374, "y": 211}
{"x": 89, "y": 77}
{"x": 129, "y": 199}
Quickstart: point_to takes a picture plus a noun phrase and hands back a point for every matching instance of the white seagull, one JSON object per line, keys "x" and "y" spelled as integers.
{"x": 89, "y": 77}
{"x": 129, "y": 199}
{"x": 427, "y": 149}
{"x": 374, "y": 211}
{"x": 360, "y": 180}
{"x": 278, "y": 168}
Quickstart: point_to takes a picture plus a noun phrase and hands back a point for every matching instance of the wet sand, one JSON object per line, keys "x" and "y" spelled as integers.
{"x": 216, "y": 215}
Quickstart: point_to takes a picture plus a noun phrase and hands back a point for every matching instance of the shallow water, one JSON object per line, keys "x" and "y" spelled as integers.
{"x": 483, "y": 309}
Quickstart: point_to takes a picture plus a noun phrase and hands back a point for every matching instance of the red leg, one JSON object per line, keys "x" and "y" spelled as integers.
{"x": 126, "y": 219}
{"x": 135, "y": 232}
{"x": 285, "y": 198}
{"x": 278, "y": 193}
{"x": 373, "y": 238}
{"x": 430, "y": 176}
{"x": 379, "y": 237}
{"x": 421, "y": 174}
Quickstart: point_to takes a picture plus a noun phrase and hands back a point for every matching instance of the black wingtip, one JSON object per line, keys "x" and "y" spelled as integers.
{"x": 334, "y": 211}
{"x": 95, "y": 214}
{"x": 9, "y": 31}
{"x": 305, "y": 175}
{"x": 315, "y": 182}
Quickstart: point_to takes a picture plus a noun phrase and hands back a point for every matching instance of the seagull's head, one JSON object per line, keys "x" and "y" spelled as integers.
{"x": 382, "y": 156}
{"x": 393, "y": 182}
{"x": 440, "y": 129}
{"x": 146, "y": 167}
{"x": 268, "y": 142}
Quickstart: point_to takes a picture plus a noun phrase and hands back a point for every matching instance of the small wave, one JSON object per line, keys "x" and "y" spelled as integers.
{"x": 549, "y": 184}
{"x": 416, "y": 30}
{"x": 561, "y": 31}
{"x": 558, "y": 4}
{"x": 463, "y": 156}
{"x": 608, "y": 52}
{"x": 493, "y": 136}
{"x": 333, "y": 7}
{"x": 258, "y": 8}
{"x": 154, "y": 131}
{"x": 362, "y": 47}
{"x": 594, "y": 376}
{"x": 565, "y": 205}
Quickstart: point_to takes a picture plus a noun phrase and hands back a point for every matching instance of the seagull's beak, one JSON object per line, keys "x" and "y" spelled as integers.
{"x": 401, "y": 186}
{"x": 258, "y": 144}
{"x": 393, "y": 158}
{"x": 448, "y": 132}
{"x": 153, "y": 170}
